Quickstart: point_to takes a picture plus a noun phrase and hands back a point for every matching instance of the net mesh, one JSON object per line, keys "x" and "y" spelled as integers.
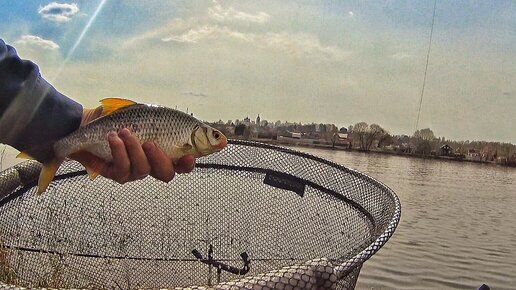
{"x": 253, "y": 216}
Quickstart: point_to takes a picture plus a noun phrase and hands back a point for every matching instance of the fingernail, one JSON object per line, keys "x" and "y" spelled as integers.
{"x": 112, "y": 135}
{"x": 124, "y": 133}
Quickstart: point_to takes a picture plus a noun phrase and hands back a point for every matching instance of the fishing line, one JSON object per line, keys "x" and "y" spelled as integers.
{"x": 426, "y": 66}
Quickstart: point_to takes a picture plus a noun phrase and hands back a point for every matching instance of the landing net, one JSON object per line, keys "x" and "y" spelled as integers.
{"x": 251, "y": 216}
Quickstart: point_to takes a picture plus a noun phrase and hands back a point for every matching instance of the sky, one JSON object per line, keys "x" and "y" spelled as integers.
{"x": 339, "y": 62}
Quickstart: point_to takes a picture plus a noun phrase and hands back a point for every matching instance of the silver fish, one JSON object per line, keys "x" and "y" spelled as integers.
{"x": 176, "y": 133}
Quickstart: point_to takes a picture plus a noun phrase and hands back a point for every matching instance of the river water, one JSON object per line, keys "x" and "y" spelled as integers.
{"x": 458, "y": 224}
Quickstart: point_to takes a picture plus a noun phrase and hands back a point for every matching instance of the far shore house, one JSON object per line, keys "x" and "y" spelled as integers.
{"x": 296, "y": 135}
{"x": 341, "y": 139}
{"x": 445, "y": 150}
{"x": 473, "y": 154}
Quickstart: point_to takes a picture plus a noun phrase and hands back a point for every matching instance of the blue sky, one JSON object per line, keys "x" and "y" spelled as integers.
{"x": 338, "y": 62}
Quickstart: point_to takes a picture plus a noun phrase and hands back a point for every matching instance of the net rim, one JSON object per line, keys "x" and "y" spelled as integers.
{"x": 25, "y": 175}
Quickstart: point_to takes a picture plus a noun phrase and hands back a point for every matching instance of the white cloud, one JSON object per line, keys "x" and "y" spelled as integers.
{"x": 303, "y": 45}
{"x": 194, "y": 94}
{"x": 59, "y": 12}
{"x": 193, "y": 35}
{"x": 298, "y": 45}
{"x": 197, "y": 34}
{"x": 38, "y": 41}
{"x": 221, "y": 14}
{"x": 401, "y": 56}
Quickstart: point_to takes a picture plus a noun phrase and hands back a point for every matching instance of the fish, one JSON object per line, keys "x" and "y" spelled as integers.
{"x": 175, "y": 132}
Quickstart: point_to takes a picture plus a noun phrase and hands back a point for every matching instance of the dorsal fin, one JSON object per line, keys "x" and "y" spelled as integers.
{"x": 89, "y": 115}
{"x": 111, "y": 105}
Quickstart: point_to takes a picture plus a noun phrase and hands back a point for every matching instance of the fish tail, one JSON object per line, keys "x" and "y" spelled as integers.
{"x": 48, "y": 172}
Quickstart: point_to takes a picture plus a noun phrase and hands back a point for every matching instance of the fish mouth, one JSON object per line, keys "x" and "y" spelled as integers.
{"x": 222, "y": 144}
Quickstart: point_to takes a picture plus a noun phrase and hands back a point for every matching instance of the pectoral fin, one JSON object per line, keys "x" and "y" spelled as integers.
{"x": 48, "y": 173}
{"x": 180, "y": 151}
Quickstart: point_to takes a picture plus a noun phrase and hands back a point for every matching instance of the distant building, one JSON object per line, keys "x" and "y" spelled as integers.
{"x": 247, "y": 121}
{"x": 445, "y": 150}
{"x": 473, "y": 154}
{"x": 341, "y": 139}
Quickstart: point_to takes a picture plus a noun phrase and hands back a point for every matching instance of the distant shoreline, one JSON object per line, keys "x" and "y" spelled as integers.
{"x": 383, "y": 152}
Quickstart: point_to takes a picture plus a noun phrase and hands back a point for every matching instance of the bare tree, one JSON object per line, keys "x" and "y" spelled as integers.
{"x": 367, "y": 134}
{"x": 375, "y": 134}
{"x": 423, "y": 141}
{"x": 359, "y": 133}
{"x": 424, "y": 134}
{"x": 385, "y": 140}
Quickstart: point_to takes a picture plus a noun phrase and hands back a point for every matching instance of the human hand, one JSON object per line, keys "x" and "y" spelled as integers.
{"x": 132, "y": 161}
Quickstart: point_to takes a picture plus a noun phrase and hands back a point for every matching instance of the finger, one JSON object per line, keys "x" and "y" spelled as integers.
{"x": 162, "y": 167}
{"x": 185, "y": 164}
{"x": 119, "y": 170}
{"x": 140, "y": 167}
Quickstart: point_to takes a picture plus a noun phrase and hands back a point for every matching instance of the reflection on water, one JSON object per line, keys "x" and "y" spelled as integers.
{"x": 458, "y": 224}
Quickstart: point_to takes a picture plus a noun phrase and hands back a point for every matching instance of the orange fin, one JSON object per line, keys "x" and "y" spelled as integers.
{"x": 24, "y": 155}
{"x": 48, "y": 172}
{"x": 112, "y": 105}
{"x": 90, "y": 115}
{"x": 94, "y": 171}
{"x": 94, "y": 165}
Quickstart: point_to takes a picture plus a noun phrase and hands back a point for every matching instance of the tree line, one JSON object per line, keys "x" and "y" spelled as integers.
{"x": 367, "y": 137}
{"x": 424, "y": 142}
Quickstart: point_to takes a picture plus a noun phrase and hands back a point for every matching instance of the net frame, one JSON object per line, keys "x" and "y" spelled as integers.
{"x": 316, "y": 273}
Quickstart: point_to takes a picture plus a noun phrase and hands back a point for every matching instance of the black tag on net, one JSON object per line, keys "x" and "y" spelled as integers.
{"x": 285, "y": 181}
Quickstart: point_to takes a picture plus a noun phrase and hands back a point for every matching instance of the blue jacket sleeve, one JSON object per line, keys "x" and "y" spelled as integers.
{"x": 33, "y": 114}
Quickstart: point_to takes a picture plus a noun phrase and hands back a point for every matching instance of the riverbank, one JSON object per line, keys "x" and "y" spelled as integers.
{"x": 300, "y": 143}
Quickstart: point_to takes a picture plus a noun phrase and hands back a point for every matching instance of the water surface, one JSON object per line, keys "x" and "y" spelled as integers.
{"x": 458, "y": 224}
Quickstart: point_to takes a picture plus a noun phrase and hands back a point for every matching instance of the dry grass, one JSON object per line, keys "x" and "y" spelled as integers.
{"x": 7, "y": 273}
{"x": 53, "y": 278}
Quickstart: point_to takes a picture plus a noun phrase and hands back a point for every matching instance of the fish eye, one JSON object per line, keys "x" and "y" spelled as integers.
{"x": 216, "y": 135}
